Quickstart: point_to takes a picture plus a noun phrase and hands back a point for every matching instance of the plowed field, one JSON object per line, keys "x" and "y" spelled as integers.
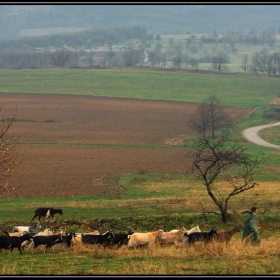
{"x": 70, "y": 165}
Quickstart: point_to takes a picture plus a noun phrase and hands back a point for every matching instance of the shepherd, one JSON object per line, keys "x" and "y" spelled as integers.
{"x": 251, "y": 229}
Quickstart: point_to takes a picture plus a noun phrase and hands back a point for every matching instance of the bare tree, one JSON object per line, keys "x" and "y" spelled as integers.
{"x": 90, "y": 58}
{"x": 59, "y": 58}
{"x": 9, "y": 153}
{"x": 217, "y": 160}
{"x": 163, "y": 58}
{"x": 132, "y": 57}
{"x": 152, "y": 56}
{"x": 273, "y": 64}
{"x": 193, "y": 62}
{"x": 210, "y": 117}
{"x": 219, "y": 62}
{"x": 245, "y": 63}
{"x": 178, "y": 60}
{"x": 110, "y": 55}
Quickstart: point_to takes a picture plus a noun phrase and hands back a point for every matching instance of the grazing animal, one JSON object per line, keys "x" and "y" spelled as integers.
{"x": 139, "y": 239}
{"x": 78, "y": 237}
{"x": 46, "y": 212}
{"x": 46, "y": 232}
{"x": 91, "y": 232}
{"x": 94, "y": 232}
{"x": 225, "y": 236}
{"x": 184, "y": 236}
{"x": 32, "y": 230}
{"x": 173, "y": 230}
{"x": 68, "y": 239}
{"x": 47, "y": 241}
{"x": 172, "y": 237}
{"x": 194, "y": 229}
{"x": 101, "y": 239}
{"x": 201, "y": 236}
{"x": 14, "y": 233}
{"x": 24, "y": 243}
{"x": 11, "y": 242}
{"x": 120, "y": 238}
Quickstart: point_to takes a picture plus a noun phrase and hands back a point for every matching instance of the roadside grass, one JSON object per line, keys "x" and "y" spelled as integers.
{"x": 271, "y": 135}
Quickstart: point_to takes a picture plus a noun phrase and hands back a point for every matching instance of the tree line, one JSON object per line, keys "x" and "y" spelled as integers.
{"x": 262, "y": 63}
{"x": 67, "y": 58}
{"x": 74, "y": 40}
{"x": 79, "y": 49}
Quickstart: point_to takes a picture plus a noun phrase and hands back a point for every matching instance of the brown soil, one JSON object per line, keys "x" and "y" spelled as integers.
{"x": 71, "y": 170}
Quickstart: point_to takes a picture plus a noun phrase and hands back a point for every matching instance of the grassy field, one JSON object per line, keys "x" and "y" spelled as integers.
{"x": 236, "y": 90}
{"x": 147, "y": 193}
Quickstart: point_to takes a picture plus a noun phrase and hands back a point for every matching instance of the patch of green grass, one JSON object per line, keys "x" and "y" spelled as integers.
{"x": 243, "y": 91}
{"x": 271, "y": 135}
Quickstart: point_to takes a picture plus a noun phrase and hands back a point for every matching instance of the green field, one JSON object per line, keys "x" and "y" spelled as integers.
{"x": 187, "y": 199}
{"x": 236, "y": 90}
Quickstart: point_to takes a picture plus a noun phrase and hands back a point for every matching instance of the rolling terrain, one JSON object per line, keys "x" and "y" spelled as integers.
{"x": 79, "y": 145}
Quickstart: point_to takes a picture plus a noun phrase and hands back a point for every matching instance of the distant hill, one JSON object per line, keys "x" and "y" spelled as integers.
{"x": 25, "y": 20}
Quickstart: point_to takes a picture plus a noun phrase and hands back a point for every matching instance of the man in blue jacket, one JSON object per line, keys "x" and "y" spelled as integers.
{"x": 250, "y": 230}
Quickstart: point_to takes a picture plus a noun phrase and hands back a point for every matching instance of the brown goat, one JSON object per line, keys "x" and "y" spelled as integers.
{"x": 225, "y": 236}
{"x": 171, "y": 237}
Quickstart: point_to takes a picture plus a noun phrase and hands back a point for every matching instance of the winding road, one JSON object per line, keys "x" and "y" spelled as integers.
{"x": 251, "y": 134}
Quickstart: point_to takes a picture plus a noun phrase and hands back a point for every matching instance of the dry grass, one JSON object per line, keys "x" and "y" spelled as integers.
{"x": 207, "y": 259}
{"x": 185, "y": 198}
{"x": 192, "y": 198}
{"x": 212, "y": 258}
